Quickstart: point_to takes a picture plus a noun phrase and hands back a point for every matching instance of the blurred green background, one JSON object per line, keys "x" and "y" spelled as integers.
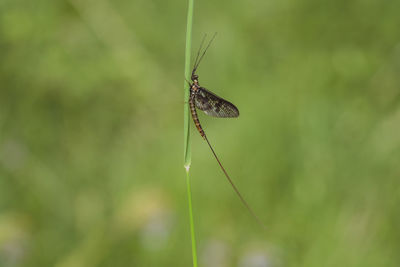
{"x": 91, "y": 133}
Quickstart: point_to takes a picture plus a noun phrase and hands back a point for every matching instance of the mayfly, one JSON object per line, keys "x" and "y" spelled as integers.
{"x": 214, "y": 106}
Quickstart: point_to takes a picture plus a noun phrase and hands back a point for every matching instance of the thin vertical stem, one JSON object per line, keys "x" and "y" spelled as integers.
{"x": 186, "y": 125}
{"x": 186, "y": 114}
{"x": 194, "y": 251}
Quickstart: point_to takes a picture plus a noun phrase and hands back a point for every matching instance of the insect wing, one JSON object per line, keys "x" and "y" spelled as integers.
{"x": 214, "y": 105}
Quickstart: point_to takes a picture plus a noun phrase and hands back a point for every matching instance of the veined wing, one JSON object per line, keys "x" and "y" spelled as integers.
{"x": 214, "y": 105}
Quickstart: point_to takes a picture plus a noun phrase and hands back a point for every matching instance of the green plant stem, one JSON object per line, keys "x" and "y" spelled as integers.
{"x": 186, "y": 113}
{"x": 186, "y": 125}
{"x": 194, "y": 251}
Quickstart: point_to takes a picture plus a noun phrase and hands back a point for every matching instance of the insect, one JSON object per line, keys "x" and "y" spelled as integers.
{"x": 214, "y": 106}
{"x": 205, "y": 100}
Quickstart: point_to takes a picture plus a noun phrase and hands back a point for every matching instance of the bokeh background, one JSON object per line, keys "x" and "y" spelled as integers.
{"x": 91, "y": 133}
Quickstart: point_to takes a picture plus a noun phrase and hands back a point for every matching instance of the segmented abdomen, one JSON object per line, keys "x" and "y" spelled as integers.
{"x": 195, "y": 117}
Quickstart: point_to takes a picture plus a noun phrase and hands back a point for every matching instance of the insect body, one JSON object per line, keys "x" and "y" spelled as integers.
{"x": 210, "y": 103}
{"x": 214, "y": 106}
{"x": 207, "y": 101}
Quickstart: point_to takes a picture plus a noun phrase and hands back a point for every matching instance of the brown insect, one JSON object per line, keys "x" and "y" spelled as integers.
{"x": 214, "y": 106}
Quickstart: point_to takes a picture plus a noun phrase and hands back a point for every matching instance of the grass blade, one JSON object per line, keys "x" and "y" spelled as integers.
{"x": 186, "y": 114}
{"x": 186, "y": 125}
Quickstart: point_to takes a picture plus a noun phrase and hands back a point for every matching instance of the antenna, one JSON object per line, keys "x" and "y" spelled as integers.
{"x": 198, "y": 51}
{"x": 198, "y": 60}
